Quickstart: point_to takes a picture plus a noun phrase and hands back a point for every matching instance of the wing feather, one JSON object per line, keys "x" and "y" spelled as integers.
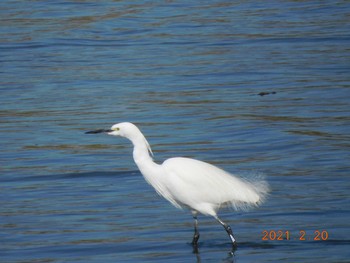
{"x": 191, "y": 182}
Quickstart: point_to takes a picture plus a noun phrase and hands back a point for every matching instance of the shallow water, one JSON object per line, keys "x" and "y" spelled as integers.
{"x": 189, "y": 75}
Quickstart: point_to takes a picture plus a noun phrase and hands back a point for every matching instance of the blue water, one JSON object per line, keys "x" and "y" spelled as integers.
{"x": 189, "y": 75}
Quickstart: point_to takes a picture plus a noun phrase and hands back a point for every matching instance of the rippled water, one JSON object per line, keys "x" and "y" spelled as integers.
{"x": 189, "y": 75}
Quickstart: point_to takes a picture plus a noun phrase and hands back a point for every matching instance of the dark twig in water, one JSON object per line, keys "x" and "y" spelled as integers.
{"x": 266, "y": 93}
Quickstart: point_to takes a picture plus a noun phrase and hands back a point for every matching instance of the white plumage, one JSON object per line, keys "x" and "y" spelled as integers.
{"x": 189, "y": 183}
{"x": 196, "y": 184}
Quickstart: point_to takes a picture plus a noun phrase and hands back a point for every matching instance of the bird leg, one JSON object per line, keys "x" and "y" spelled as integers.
{"x": 229, "y": 231}
{"x": 196, "y": 232}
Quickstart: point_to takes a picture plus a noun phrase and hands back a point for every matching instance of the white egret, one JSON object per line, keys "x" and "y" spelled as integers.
{"x": 192, "y": 184}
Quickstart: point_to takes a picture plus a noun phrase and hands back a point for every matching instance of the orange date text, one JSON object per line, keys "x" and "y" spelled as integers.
{"x": 302, "y": 235}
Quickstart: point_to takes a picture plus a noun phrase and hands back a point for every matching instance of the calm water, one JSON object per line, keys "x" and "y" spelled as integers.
{"x": 188, "y": 74}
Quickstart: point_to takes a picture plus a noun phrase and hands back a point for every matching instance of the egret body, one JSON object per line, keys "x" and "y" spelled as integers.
{"x": 189, "y": 183}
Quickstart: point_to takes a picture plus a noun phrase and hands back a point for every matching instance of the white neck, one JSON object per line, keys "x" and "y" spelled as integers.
{"x": 152, "y": 172}
{"x": 141, "y": 153}
{"x": 149, "y": 169}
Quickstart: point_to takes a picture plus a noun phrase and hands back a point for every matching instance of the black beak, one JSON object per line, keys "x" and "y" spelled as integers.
{"x": 98, "y": 131}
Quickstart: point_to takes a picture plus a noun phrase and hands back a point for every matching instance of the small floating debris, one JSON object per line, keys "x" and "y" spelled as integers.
{"x": 266, "y": 93}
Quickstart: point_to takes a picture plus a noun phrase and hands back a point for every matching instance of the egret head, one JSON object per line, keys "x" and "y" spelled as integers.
{"x": 127, "y": 130}
{"x": 124, "y": 129}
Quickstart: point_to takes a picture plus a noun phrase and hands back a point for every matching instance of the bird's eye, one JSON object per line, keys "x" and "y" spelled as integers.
{"x": 117, "y": 129}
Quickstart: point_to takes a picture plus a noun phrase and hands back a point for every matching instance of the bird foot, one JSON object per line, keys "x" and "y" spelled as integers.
{"x": 195, "y": 244}
{"x": 234, "y": 245}
{"x": 233, "y": 249}
{"x": 195, "y": 240}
